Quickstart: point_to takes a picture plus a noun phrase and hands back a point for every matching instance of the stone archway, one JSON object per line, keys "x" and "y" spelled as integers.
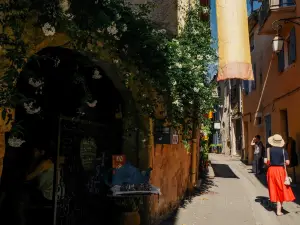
{"x": 111, "y": 74}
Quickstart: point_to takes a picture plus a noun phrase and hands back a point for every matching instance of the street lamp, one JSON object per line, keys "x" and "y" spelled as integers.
{"x": 277, "y": 43}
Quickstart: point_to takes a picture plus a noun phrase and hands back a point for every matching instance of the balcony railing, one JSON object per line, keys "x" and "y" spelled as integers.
{"x": 269, "y": 5}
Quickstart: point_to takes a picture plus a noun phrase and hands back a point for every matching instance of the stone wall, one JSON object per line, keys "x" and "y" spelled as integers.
{"x": 171, "y": 168}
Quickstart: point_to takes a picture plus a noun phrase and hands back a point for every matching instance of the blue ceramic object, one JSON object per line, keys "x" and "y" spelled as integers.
{"x": 128, "y": 174}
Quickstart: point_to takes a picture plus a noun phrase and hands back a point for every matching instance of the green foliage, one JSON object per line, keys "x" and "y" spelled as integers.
{"x": 175, "y": 66}
{"x": 186, "y": 145}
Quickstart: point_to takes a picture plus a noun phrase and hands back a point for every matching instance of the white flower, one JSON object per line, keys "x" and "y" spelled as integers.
{"x": 15, "y": 142}
{"x": 179, "y": 65}
{"x": 64, "y": 5}
{"x": 199, "y": 57}
{"x": 118, "y": 16}
{"x": 70, "y": 16}
{"x": 174, "y": 83}
{"x": 196, "y": 89}
{"x": 48, "y": 29}
{"x": 112, "y": 29}
{"x": 35, "y": 83}
{"x": 201, "y": 84}
{"x": 191, "y": 102}
{"x": 124, "y": 28}
{"x": 209, "y": 57}
{"x": 205, "y": 10}
{"x": 176, "y": 102}
{"x": 96, "y": 75}
{"x": 30, "y": 108}
{"x": 162, "y": 31}
{"x": 116, "y": 61}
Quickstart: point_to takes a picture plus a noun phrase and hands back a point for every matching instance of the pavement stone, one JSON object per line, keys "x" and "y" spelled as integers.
{"x": 234, "y": 197}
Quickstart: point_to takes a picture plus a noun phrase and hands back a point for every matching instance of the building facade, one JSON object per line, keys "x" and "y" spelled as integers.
{"x": 270, "y": 102}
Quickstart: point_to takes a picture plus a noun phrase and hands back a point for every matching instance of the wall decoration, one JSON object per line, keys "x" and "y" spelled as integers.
{"x": 118, "y": 161}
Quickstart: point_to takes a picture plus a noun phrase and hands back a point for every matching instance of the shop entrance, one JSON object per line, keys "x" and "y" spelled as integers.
{"x": 71, "y": 118}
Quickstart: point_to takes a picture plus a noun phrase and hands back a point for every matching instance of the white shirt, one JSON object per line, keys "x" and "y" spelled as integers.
{"x": 46, "y": 183}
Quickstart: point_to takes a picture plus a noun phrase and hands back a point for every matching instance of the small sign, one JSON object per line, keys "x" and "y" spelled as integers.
{"x": 217, "y": 126}
{"x": 175, "y": 139}
{"x": 118, "y": 161}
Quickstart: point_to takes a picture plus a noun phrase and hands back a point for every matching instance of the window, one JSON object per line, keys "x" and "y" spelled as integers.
{"x": 286, "y": 2}
{"x": 252, "y": 42}
{"x": 254, "y": 75}
{"x": 292, "y": 47}
{"x": 246, "y": 87}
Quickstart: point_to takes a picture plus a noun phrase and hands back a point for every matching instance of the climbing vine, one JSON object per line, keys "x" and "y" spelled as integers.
{"x": 169, "y": 70}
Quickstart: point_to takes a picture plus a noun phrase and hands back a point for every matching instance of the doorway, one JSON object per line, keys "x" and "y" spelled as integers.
{"x": 284, "y": 124}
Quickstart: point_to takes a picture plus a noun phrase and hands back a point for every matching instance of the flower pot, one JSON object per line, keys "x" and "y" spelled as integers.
{"x": 130, "y": 218}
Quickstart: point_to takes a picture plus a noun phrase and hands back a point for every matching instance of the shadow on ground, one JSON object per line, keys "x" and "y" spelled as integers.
{"x": 263, "y": 180}
{"x": 267, "y": 204}
{"x": 205, "y": 188}
{"x": 223, "y": 171}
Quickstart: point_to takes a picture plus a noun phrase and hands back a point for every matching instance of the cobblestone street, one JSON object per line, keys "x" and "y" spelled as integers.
{"x": 234, "y": 197}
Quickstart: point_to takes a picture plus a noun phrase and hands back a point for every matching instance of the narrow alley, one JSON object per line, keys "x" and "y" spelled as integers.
{"x": 234, "y": 197}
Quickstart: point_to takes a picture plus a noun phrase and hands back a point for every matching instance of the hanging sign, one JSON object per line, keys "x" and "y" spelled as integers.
{"x": 233, "y": 40}
{"x": 118, "y": 161}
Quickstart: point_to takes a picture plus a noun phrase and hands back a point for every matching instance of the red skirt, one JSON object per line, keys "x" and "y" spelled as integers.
{"x": 278, "y": 191}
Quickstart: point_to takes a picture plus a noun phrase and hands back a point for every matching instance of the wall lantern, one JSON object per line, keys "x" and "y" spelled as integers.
{"x": 277, "y": 43}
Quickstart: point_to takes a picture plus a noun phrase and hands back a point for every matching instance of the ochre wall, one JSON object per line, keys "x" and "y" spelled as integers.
{"x": 171, "y": 170}
{"x": 274, "y": 85}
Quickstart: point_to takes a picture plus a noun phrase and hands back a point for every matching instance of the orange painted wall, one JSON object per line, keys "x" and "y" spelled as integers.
{"x": 171, "y": 170}
{"x": 271, "y": 95}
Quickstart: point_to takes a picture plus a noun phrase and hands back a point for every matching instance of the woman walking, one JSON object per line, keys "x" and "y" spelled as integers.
{"x": 276, "y": 158}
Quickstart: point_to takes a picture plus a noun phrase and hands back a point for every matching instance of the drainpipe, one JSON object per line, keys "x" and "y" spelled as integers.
{"x": 150, "y": 144}
{"x": 194, "y": 152}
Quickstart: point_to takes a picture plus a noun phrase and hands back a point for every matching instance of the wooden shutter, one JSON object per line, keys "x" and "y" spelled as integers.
{"x": 254, "y": 75}
{"x": 281, "y": 60}
{"x": 292, "y": 46}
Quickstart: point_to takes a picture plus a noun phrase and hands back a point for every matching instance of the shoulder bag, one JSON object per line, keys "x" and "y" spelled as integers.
{"x": 287, "y": 180}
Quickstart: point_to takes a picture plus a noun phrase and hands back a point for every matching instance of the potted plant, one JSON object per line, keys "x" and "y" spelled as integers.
{"x": 130, "y": 211}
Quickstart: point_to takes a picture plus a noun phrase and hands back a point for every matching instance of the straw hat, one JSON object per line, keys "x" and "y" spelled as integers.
{"x": 276, "y": 140}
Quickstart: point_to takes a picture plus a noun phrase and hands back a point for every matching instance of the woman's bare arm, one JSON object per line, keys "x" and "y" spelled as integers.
{"x": 44, "y": 165}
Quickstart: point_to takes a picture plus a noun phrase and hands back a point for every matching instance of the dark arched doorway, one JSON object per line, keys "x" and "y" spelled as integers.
{"x": 73, "y": 113}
